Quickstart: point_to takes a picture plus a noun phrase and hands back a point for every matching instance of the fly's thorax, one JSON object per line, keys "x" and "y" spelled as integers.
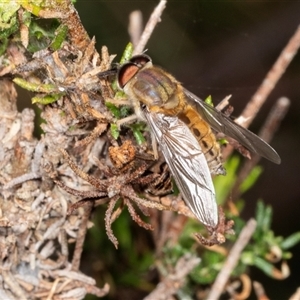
{"x": 205, "y": 137}
{"x": 153, "y": 87}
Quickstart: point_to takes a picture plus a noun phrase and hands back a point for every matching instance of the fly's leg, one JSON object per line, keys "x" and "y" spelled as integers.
{"x": 127, "y": 120}
{"x": 218, "y": 233}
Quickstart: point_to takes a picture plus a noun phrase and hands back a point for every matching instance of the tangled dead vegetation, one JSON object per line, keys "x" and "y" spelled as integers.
{"x": 47, "y": 198}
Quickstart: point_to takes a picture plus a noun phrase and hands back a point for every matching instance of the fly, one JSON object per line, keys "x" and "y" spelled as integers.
{"x": 183, "y": 126}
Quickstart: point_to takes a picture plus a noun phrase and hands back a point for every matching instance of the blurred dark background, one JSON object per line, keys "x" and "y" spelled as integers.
{"x": 219, "y": 48}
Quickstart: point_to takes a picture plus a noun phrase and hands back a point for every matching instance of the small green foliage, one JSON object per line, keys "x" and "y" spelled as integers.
{"x": 49, "y": 89}
{"x": 118, "y": 112}
{"x": 3, "y": 45}
{"x": 8, "y": 11}
{"x": 35, "y": 87}
{"x": 209, "y": 267}
{"x": 127, "y": 54}
{"x": 119, "y": 94}
{"x": 209, "y": 101}
{"x": 114, "y": 131}
{"x": 264, "y": 242}
{"x": 47, "y": 99}
{"x": 60, "y": 36}
{"x": 137, "y": 130}
{"x": 290, "y": 241}
{"x": 263, "y": 217}
{"x": 124, "y": 111}
{"x": 113, "y": 109}
{"x": 41, "y": 34}
{"x": 222, "y": 141}
{"x": 33, "y": 6}
{"x": 8, "y": 22}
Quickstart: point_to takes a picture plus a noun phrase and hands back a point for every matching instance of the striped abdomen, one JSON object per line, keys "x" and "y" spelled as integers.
{"x": 207, "y": 140}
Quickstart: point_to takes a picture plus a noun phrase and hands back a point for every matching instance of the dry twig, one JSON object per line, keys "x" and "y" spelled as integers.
{"x": 135, "y": 27}
{"x": 174, "y": 281}
{"x": 154, "y": 19}
{"x": 260, "y": 291}
{"x": 268, "y": 84}
{"x": 271, "y": 79}
{"x": 296, "y": 295}
{"x": 81, "y": 236}
{"x": 269, "y": 128}
{"x": 232, "y": 260}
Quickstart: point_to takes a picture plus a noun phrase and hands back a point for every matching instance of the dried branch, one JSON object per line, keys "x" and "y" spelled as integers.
{"x": 232, "y": 260}
{"x": 268, "y": 84}
{"x": 174, "y": 281}
{"x": 135, "y": 27}
{"x": 269, "y": 128}
{"x": 154, "y": 19}
{"x": 260, "y": 291}
{"x": 35, "y": 227}
{"x": 81, "y": 236}
{"x": 296, "y": 295}
{"x": 270, "y": 81}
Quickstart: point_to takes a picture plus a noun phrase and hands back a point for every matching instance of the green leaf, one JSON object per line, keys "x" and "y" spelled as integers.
{"x": 61, "y": 34}
{"x": 209, "y": 101}
{"x": 137, "y": 129}
{"x": 3, "y": 45}
{"x": 290, "y": 241}
{"x": 35, "y": 87}
{"x": 259, "y": 216}
{"x": 247, "y": 257}
{"x": 264, "y": 266}
{"x": 267, "y": 220}
{"x": 113, "y": 109}
{"x": 124, "y": 111}
{"x": 127, "y": 54}
{"x": 8, "y": 17}
{"x": 114, "y": 131}
{"x": 48, "y": 99}
{"x": 8, "y": 21}
{"x": 263, "y": 217}
{"x": 41, "y": 34}
{"x": 208, "y": 269}
{"x": 222, "y": 141}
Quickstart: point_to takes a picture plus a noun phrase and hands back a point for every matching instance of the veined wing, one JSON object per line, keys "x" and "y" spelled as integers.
{"x": 221, "y": 123}
{"x": 187, "y": 164}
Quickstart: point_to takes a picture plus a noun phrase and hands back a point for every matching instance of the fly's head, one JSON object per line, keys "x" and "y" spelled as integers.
{"x": 147, "y": 84}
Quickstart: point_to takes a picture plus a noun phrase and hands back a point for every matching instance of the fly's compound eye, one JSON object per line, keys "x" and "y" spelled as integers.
{"x": 128, "y": 70}
{"x": 140, "y": 60}
{"x": 126, "y": 73}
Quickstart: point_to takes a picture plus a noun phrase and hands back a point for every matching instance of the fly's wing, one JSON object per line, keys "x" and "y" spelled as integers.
{"x": 221, "y": 123}
{"x": 187, "y": 164}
